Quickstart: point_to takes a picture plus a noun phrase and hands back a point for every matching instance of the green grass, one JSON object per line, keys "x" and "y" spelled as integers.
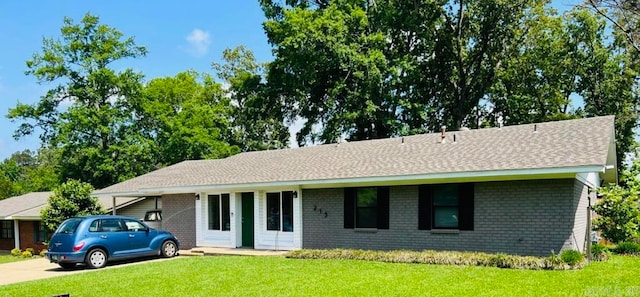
{"x": 277, "y": 276}
{"x": 9, "y": 258}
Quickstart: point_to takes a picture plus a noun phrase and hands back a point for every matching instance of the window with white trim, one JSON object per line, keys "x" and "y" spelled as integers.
{"x": 219, "y": 214}
{"x": 280, "y": 211}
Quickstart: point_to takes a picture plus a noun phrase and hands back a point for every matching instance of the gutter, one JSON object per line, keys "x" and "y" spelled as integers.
{"x": 492, "y": 175}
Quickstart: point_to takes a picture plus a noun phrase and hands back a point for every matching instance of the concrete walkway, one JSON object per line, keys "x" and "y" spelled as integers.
{"x": 28, "y": 270}
{"x": 207, "y": 251}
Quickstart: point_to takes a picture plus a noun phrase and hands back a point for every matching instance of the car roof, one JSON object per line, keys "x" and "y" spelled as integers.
{"x": 105, "y": 217}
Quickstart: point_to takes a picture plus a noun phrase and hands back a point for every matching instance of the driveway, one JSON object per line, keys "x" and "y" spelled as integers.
{"x": 35, "y": 269}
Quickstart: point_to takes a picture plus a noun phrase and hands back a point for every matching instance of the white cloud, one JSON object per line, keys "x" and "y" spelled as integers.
{"x": 199, "y": 42}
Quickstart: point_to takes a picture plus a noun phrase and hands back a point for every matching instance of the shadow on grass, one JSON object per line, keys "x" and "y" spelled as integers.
{"x": 116, "y": 263}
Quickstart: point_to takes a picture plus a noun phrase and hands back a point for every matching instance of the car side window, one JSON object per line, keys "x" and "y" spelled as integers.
{"x": 112, "y": 225}
{"x": 134, "y": 225}
{"x": 95, "y": 226}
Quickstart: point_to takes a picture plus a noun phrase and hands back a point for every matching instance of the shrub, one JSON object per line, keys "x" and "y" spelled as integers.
{"x": 43, "y": 252}
{"x": 627, "y": 248}
{"x": 27, "y": 254}
{"x": 599, "y": 252}
{"x": 572, "y": 257}
{"x": 16, "y": 252}
{"x": 618, "y": 213}
{"x": 437, "y": 257}
{"x": 31, "y": 250}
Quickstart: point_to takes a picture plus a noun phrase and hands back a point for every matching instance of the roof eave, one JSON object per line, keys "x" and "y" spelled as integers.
{"x": 449, "y": 177}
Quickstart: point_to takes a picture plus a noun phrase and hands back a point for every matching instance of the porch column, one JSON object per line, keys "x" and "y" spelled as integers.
{"x": 16, "y": 233}
{"x": 113, "y": 205}
{"x": 297, "y": 219}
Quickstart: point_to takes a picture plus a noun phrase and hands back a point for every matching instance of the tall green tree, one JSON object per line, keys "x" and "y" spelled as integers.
{"x": 70, "y": 199}
{"x": 257, "y": 115}
{"x": 372, "y": 69}
{"x": 186, "y": 117}
{"x": 558, "y": 60}
{"x": 87, "y": 112}
{"x": 330, "y": 69}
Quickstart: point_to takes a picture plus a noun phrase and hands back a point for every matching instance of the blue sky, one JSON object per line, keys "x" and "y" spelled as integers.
{"x": 179, "y": 35}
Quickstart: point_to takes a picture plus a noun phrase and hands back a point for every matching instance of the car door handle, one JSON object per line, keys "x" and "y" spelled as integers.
{"x": 103, "y": 236}
{"x": 132, "y": 235}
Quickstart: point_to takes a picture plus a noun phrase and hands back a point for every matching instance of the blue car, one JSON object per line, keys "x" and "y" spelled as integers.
{"x": 95, "y": 240}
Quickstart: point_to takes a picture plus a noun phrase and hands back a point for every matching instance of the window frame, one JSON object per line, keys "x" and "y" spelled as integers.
{"x": 280, "y": 219}
{"x": 382, "y": 208}
{"x": 219, "y": 212}
{"x": 428, "y": 208}
{"x": 361, "y": 209}
{"x": 7, "y": 232}
{"x": 444, "y": 206}
{"x": 40, "y": 233}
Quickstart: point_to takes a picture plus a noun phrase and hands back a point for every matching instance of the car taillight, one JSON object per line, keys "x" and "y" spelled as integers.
{"x": 78, "y": 246}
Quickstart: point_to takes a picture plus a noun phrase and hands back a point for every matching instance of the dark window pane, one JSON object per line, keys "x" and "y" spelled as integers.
{"x": 446, "y": 195}
{"x": 367, "y": 217}
{"x": 226, "y": 217}
{"x": 367, "y": 197}
{"x": 366, "y": 208}
{"x": 287, "y": 211}
{"x": 445, "y": 217}
{"x": 273, "y": 211}
{"x": 6, "y": 231}
{"x": 214, "y": 212}
{"x": 39, "y": 232}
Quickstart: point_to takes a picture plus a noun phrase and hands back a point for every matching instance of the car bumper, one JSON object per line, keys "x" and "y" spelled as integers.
{"x": 65, "y": 257}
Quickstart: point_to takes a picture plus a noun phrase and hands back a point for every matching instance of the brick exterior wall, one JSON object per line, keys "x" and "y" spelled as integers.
{"x": 26, "y": 237}
{"x": 179, "y": 218}
{"x": 515, "y": 217}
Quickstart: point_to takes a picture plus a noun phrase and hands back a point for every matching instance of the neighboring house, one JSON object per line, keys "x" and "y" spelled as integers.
{"x": 519, "y": 189}
{"x": 21, "y": 226}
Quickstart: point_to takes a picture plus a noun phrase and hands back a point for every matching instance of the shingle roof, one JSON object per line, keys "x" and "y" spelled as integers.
{"x": 12, "y": 205}
{"x": 30, "y": 204}
{"x": 562, "y": 144}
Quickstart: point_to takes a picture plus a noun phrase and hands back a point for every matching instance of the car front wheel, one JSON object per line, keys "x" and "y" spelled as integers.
{"x": 169, "y": 249}
{"x": 96, "y": 258}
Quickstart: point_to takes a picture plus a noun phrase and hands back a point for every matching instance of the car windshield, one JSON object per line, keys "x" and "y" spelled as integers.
{"x": 69, "y": 226}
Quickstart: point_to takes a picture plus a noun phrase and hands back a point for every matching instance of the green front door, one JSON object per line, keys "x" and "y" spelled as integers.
{"x": 247, "y": 219}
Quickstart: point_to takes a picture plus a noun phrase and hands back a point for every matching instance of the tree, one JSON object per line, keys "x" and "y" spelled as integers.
{"x": 373, "y": 69}
{"x": 618, "y": 208}
{"x": 70, "y": 199}
{"x": 624, "y": 15}
{"x": 186, "y": 117}
{"x": 257, "y": 115}
{"x": 329, "y": 69}
{"x": 27, "y": 171}
{"x": 87, "y": 112}
{"x": 555, "y": 59}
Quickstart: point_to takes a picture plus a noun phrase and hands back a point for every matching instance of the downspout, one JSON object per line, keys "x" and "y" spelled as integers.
{"x": 588, "y": 251}
{"x": 16, "y": 233}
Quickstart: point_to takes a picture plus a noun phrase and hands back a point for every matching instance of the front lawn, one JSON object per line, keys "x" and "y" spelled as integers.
{"x": 277, "y": 276}
{"x": 6, "y": 258}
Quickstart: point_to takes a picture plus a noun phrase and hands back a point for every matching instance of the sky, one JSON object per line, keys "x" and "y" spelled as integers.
{"x": 179, "y": 35}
